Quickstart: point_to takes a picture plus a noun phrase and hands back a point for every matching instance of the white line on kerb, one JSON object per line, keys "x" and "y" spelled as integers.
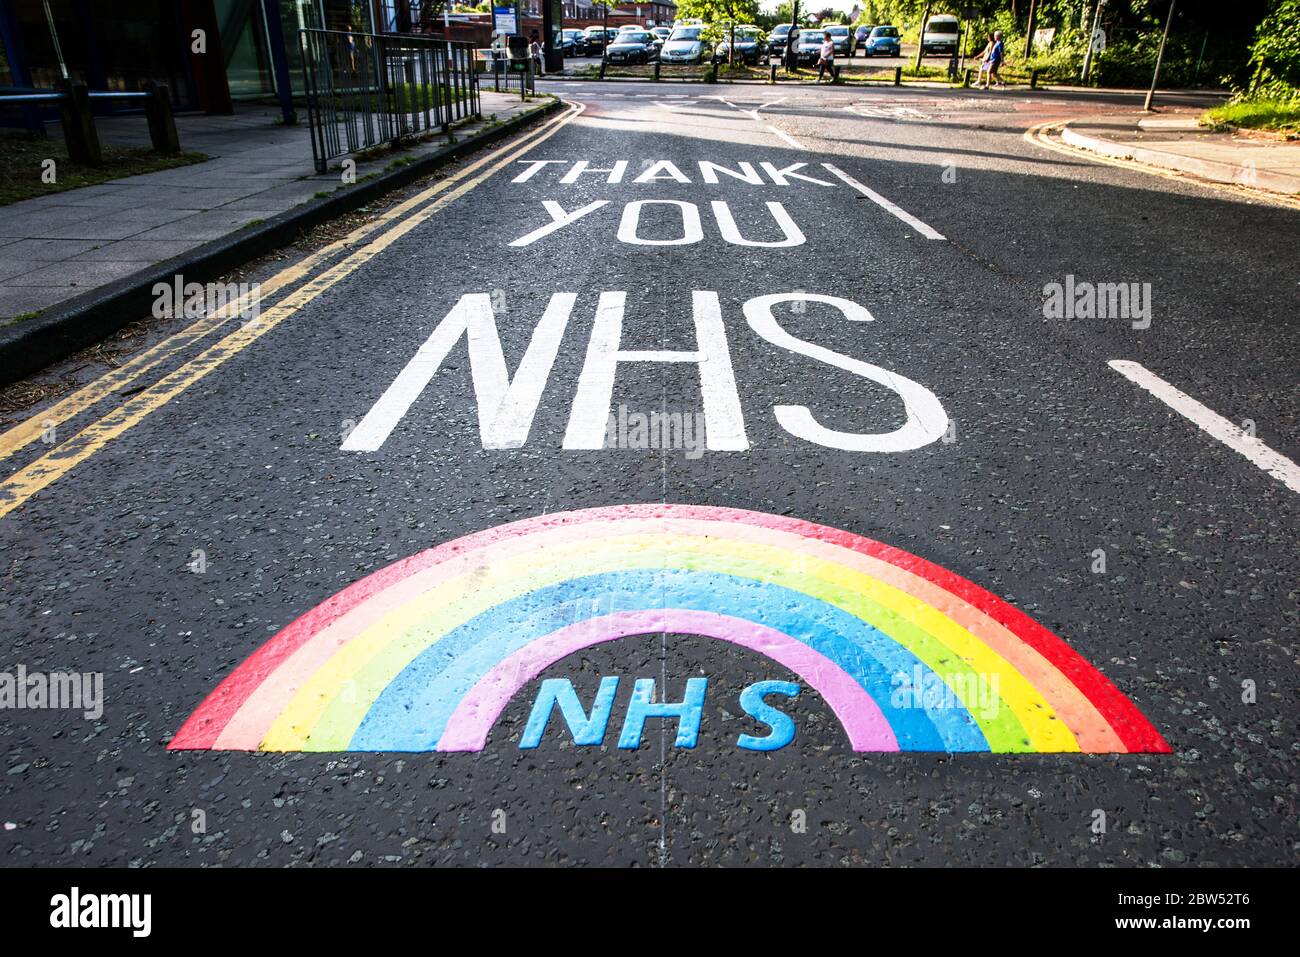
{"x": 1274, "y": 463}
{"x": 927, "y": 231}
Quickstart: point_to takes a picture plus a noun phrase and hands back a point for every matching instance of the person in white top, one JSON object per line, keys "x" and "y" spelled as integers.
{"x": 535, "y": 51}
{"x": 826, "y": 60}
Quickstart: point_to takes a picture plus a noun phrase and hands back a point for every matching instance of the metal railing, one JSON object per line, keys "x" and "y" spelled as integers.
{"x": 364, "y": 89}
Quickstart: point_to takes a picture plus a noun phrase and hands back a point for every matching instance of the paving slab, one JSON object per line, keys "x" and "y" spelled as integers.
{"x": 1178, "y": 143}
{"x": 136, "y": 250}
{"x": 75, "y": 274}
{"x": 257, "y": 169}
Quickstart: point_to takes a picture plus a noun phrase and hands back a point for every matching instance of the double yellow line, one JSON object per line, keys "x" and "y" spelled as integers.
{"x": 385, "y": 229}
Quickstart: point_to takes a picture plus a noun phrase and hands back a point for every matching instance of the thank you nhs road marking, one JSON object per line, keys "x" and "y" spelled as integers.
{"x": 507, "y": 405}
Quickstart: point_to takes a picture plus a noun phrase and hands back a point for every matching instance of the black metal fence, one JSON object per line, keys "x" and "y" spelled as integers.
{"x": 364, "y": 89}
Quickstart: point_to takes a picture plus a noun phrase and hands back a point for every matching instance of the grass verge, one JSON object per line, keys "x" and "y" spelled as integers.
{"x": 1279, "y": 116}
{"x": 23, "y": 156}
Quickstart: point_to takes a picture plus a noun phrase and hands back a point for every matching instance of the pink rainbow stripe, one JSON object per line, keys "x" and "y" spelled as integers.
{"x": 865, "y": 725}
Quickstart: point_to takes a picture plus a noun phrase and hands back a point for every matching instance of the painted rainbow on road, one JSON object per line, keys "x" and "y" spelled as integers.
{"x": 425, "y": 654}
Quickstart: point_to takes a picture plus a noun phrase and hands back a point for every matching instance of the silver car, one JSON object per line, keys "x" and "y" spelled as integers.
{"x": 685, "y": 45}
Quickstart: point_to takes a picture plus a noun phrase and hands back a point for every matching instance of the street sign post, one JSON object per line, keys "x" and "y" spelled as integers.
{"x": 505, "y": 22}
{"x": 1095, "y": 43}
{"x": 1160, "y": 55}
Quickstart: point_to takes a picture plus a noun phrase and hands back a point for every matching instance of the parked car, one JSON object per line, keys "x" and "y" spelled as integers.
{"x": 939, "y": 36}
{"x": 573, "y": 43}
{"x": 860, "y": 34}
{"x": 597, "y": 39}
{"x": 661, "y": 35}
{"x": 776, "y": 40}
{"x": 808, "y": 46}
{"x": 685, "y": 45}
{"x": 632, "y": 46}
{"x": 841, "y": 36}
{"x": 750, "y": 46}
{"x": 885, "y": 41}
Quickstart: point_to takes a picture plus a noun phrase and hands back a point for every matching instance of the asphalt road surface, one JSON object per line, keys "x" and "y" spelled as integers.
{"x": 841, "y": 325}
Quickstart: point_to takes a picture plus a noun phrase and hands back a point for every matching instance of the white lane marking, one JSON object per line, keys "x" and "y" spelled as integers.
{"x": 886, "y": 112}
{"x": 787, "y": 137}
{"x": 753, "y": 115}
{"x": 928, "y": 232}
{"x": 1274, "y": 463}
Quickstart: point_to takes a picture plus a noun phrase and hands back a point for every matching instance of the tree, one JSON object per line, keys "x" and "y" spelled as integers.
{"x": 1275, "y": 52}
{"x": 718, "y": 12}
{"x": 783, "y": 13}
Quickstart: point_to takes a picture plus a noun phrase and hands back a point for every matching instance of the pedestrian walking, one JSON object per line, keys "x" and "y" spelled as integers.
{"x": 982, "y": 82}
{"x": 996, "y": 55}
{"x": 826, "y": 58}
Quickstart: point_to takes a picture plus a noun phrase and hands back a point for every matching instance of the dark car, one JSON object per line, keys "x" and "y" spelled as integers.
{"x": 808, "y": 46}
{"x": 750, "y": 46}
{"x": 597, "y": 38}
{"x": 860, "y": 34}
{"x": 633, "y": 46}
{"x": 841, "y": 37}
{"x": 776, "y": 40}
{"x": 884, "y": 41}
{"x": 573, "y": 43}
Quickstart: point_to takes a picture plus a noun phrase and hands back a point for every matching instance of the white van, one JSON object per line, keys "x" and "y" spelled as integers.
{"x": 939, "y": 35}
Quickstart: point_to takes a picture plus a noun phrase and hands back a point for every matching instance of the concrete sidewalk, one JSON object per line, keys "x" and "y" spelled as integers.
{"x": 56, "y": 247}
{"x": 1175, "y": 141}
